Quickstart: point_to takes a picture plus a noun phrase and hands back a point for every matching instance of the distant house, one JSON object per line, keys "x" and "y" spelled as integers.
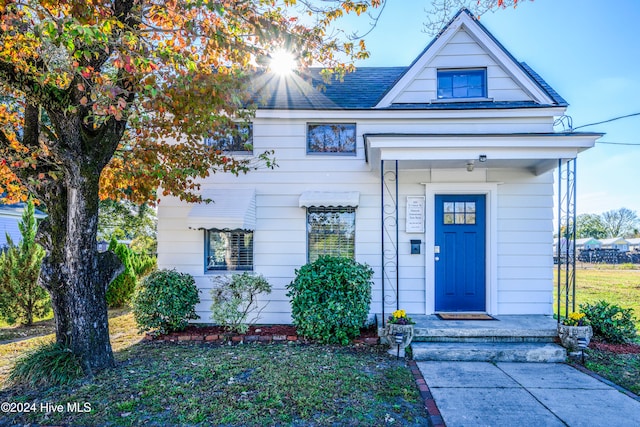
{"x": 10, "y": 216}
{"x": 618, "y": 243}
{"x": 588, "y": 243}
{"x": 634, "y": 244}
{"x": 439, "y": 175}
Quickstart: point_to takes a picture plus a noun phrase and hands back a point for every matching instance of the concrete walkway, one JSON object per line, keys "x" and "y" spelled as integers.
{"x": 512, "y": 394}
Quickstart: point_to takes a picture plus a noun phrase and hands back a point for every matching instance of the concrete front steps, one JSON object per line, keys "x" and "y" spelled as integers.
{"x": 510, "y": 338}
{"x": 488, "y": 352}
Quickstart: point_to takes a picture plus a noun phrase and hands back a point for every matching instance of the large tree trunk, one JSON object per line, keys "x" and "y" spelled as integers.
{"x": 73, "y": 272}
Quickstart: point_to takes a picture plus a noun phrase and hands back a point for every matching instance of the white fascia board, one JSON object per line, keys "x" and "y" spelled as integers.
{"x": 494, "y": 154}
{"x": 549, "y": 112}
{"x": 448, "y": 141}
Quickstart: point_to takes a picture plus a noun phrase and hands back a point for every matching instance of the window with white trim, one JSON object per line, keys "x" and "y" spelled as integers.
{"x": 331, "y": 138}
{"x": 331, "y": 231}
{"x": 228, "y": 250}
{"x": 464, "y": 83}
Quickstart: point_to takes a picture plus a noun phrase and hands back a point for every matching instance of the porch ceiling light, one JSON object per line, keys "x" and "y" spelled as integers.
{"x": 470, "y": 165}
{"x": 482, "y": 158}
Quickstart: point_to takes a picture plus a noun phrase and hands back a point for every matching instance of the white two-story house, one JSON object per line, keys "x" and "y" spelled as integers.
{"x": 439, "y": 175}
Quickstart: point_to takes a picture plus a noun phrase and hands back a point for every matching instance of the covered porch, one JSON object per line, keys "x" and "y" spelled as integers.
{"x": 463, "y": 164}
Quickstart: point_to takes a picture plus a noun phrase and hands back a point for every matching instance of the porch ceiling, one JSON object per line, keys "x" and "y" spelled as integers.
{"x": 538, "y": 152}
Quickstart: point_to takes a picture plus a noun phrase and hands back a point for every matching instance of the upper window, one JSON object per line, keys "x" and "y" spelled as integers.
{"x": 338, "y": 138}
{"x": 229, "y": 250}
{"x": 455, "y": 84}
{"x": 238, "y": 138}
{"x": 331, "y": 231}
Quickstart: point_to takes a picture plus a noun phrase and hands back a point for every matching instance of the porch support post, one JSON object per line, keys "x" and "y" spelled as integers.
{"x": 390, "y": 256}
{"x": 382, "y": 236}
{"x": 397, "y": 244}
{"x": 566, "y": 247}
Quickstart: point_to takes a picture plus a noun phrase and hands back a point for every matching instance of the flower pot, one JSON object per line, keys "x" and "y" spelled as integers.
{"x": 398, "y": 334}
{"x": 569, "y": 335}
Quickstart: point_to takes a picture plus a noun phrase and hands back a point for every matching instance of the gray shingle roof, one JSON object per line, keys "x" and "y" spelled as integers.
{"x": 358, "y": 90}
{"x": 363, "y": 88}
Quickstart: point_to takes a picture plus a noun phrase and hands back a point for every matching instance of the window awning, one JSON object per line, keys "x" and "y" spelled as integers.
{"x": 329, "y": 199}
{"x": 230, "y": 209}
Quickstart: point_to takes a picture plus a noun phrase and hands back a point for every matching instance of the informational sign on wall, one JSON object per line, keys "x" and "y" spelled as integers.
{"x": 415, "y": 214}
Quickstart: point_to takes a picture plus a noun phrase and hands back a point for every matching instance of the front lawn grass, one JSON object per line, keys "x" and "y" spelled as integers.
{"x": 622, "y": 369}
{"x": 617, "y": 284}
{"x": 22, "y": 339}
{"x": 159, "y": 383}
{"x": 201, "y": 384}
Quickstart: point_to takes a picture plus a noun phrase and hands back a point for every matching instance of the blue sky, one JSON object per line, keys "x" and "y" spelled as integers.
{"x": 587, "y": 50}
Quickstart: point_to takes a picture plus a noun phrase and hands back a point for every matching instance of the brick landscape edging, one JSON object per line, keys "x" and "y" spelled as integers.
{"x": 241, "y": 339}
{"x": 427, "y": 398}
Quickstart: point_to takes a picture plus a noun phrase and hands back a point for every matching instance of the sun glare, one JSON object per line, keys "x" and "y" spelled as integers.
{"x": 282, "y": 62}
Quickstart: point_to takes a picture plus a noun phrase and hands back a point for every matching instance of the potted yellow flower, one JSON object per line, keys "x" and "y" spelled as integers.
{"x": 399, "y": 329}
{"x": 573, "y": 327}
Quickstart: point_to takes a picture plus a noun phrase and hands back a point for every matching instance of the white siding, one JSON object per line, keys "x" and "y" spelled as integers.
{"x": 525, "y": 237}
{"x": 524, "y": 267}
{"x": 462, "y": 51}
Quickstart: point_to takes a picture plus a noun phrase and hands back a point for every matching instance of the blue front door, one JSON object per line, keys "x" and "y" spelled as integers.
{"x": 460, "y": 253}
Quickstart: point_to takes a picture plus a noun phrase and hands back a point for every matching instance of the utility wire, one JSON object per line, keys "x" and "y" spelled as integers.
{"x": 607, "y": 121}
{"x": 618, "y": 143}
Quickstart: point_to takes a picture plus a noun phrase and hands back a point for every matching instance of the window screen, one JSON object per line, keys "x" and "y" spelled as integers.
{"x": 229, "y": 250}
{"x": 331, "y": 231}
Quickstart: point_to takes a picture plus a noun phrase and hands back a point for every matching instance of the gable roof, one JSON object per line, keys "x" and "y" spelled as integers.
{"x": 376, "y": 87}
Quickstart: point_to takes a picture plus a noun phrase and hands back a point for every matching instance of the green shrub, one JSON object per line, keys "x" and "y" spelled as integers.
{"x": 610, "y": 322}
{"x": 136, "y": 266}
{"x": 330, "y": 299}
{"x": 21, "y": 298}
{"x": 143, "y": 265}
{"x": 235, "y": 299}
{"x": 165, "y": 302}
{"x": 121, "y": 289}
{"x": 48, "y": 365}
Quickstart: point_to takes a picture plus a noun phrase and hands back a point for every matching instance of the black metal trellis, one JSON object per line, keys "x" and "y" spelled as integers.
{"x": 566, "y": 244}
{"x": 389, "y": 235}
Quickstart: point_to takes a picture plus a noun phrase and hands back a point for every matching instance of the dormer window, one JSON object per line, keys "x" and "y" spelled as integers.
{"x": 462, "y": 83}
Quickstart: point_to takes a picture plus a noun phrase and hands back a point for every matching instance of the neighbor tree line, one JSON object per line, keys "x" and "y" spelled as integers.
{"x": 621, "y": 222}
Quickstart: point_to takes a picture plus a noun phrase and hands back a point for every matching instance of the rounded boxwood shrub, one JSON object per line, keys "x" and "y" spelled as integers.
{"x": 330, "y": 299}
{"x": 165, "y": 302}
{"x": 611, "y": 322}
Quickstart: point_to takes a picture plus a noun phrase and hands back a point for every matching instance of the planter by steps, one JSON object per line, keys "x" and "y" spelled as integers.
{"x": 569, "y": 335}
{"x": 393, "y": 329}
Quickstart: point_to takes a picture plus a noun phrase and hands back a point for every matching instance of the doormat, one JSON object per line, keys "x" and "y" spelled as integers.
{"x": 465, "y": 316}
